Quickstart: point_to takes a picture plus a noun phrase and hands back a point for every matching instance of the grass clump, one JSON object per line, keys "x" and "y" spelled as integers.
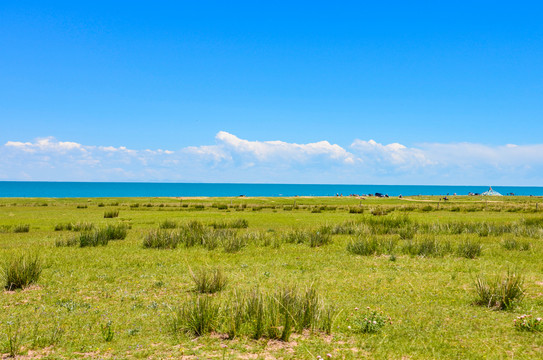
{"x": 21, "y": 271}
{"x": 111, "y": 214}
{"x": 208, "y": 280}
{"x": 230, "y": 241}
{"x": 500, "y": 293}
{"x": 233, "y": 224}
{"x": 168, "y": 224}
{"x": 469, "y": 249}
{"x": 70, "y": 241}
{"x": 370, "y": 245}
{"x": 197, "y": 317}
{"x": 93, "y": 238}
{"x": 78, "y": 226}
{"x": 115, "y": 232}
{"x": 320, "y": 237}
{"x": 107, "y": 331}
{"x": 161, "y": 239}
{"x": 296, "y": 237}
{"x": 14, "y": 338}
{"x": 21, "y": 228}
{"x": 426, "y": 247}
{"x": 514, "y": 244}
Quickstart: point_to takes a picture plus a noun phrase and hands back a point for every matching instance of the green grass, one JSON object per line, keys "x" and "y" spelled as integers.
{"x": 20, "y": 271}
{"x": 414, "y": 262}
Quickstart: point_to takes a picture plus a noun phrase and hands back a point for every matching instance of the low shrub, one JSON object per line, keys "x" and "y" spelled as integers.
{"x": 21, "y": 271}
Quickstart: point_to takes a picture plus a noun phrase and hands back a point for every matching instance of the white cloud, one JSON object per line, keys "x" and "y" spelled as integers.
{"x": 395, "y": 154}
{"x": 229, "y": 146}
{"x": 232, "y": 159}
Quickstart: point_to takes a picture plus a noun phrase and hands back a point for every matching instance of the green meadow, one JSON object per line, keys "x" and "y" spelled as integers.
{"x": 267, "y": 278}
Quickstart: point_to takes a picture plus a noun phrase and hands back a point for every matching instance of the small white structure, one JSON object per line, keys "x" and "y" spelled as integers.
{"x": 491, "y": 192}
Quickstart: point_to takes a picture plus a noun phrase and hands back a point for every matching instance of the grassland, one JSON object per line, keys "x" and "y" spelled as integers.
{"x": 110, "y": 288}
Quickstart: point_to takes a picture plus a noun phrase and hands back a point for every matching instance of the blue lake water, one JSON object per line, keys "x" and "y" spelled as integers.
{"x": 119, "y": 189}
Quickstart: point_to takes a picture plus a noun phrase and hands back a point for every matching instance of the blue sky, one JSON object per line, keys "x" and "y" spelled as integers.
{"x": 320, "y": 92}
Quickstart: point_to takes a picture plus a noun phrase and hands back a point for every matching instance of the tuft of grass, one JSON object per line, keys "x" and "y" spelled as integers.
{"x": 426, "y": 247}
{"x": 371, "y": 245}
{"x": 197, "y": 317}
{"x": 93, "y": 238}
{"x": 70, "y": 241}
{"x": 161, "y": 239}
{"x": 13, "y": 338}
{"x": 81, "y": 226}
{"x": 107, "y": 331}
{"x": 514, "y": 244}
{"x": 320, "y": 237}
{"x": 21, "y": 271}
{"x": 115, "y": 232}
{"x": 21, "y": 228}
{"x": 208, "y": 280}
{"x": 500, "y": 293}
{"x": 168, "y": 224}
{"x": 469, "y": 249}
{"x": 111, "y": 214}
{"x": 235, "y": 313}
{"x": 296, "y": 237}
{"x": 233, "y": 224}
{"x": 230, "y": 241}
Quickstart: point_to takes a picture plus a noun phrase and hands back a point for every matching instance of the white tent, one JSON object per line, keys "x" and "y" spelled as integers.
{"x": 491, "y": 192}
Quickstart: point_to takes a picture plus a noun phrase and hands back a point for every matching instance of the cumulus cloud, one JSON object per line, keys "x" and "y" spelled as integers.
{"x": 395, "y": 154}
{"x": 230, "y": 146}
{"x": 232, "y": 159}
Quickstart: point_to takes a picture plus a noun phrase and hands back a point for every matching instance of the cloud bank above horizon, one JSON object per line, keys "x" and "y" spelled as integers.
{"x": 232, "y": 159}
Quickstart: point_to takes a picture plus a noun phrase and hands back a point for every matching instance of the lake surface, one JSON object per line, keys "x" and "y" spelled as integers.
{"x": 119, "y": 189}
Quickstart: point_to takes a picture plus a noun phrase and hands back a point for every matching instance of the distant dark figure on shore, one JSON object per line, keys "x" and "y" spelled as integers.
{"x": 445, "y": 198}
{"x": 400, "y": 197}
